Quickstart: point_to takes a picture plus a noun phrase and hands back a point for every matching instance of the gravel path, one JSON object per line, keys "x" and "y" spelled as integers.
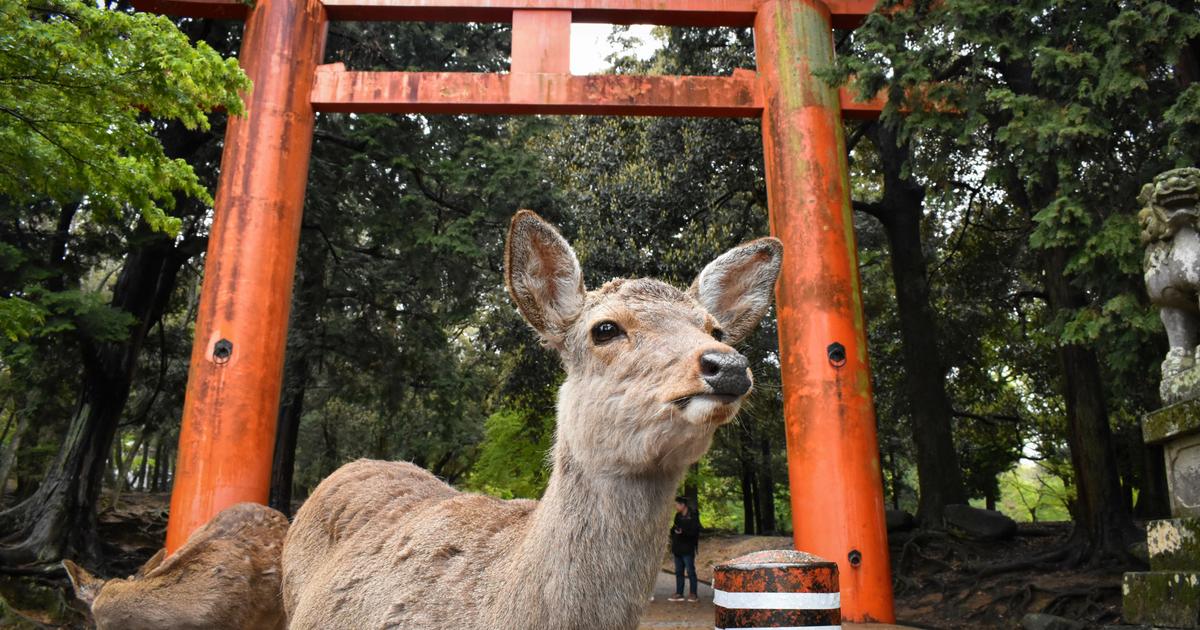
{"x": 679, "y": 615}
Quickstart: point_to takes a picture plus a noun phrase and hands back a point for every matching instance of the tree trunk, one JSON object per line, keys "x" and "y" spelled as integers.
{"x": 140, "y": 483}
{"x": 900, "y": 211}
{"x": 766, "y": 487}
{"x": 283, "y": 467}
{"x": 749, "y": 495}
{"x": 1153, "y": 500}
{"x": 329, "y": 455}
{"x": 747, "y": 464}
{"x": 691, "y": 491}
{"x": 310, "y": 296}
{"x": 8, "y": 425}
{"x": 8, "y": 457}
{"x": 117, "y": 481}
{"x": 1102, "y": 522}
{"x": 897, "y": 483}
{"x": 59, "y": 518}
{"x": 1188, "y": 68}
{"x": 126, "y": 461}
{"x": 748, "y": 498}
{"x": 168, "y": 483}
{"x": 157, "y": 471}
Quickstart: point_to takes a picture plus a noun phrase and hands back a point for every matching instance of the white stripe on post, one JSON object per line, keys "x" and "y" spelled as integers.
{"x": 777, "y": 601}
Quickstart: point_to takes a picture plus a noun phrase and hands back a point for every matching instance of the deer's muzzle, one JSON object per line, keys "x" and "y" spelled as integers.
{"x": 727, "y": 373}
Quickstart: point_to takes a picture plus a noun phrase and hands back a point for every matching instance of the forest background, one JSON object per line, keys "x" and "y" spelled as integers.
{"x": 1011, "y": 342}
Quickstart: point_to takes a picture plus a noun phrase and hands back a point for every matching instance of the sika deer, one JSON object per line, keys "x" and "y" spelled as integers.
{"x": 650, "y": 377}
{"x": 225, "y": 576}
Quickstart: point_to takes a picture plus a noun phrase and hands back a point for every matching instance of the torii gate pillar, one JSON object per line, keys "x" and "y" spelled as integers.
{"x": 232, "y": 402}
{"x": 833, "y": 455}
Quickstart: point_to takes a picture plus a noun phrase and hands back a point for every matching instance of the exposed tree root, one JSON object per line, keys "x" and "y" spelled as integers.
{"x": 1073, "y": 603}
{"x": 1044, "y": 562}
{"x": 946, "y": 582}
{"x": 913, "y": 550}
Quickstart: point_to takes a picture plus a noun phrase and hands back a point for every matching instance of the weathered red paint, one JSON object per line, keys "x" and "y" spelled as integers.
{"x": 231, "y": 405}
{"x": 776, "y": 571}
{"x": 833, "y": 457}
{"x": 854, "y": 109}
{"x": 845, "y": 14}
{"x": 541, "y": 42}
{"x": 338, "y": 90}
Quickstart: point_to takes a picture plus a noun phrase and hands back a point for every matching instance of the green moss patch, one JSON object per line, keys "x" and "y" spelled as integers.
{"x": 1171, "y": 422}
{"x": 1162, "y": 598}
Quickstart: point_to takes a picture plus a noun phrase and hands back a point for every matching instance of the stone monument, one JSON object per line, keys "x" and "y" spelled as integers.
{"x": 1170, "y": 218}
{"x": 1169, "y": 594}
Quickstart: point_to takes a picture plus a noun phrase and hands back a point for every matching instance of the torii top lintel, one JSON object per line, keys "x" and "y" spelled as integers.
{"x": 540, "y": 81}
{"x": 845, "y": 14}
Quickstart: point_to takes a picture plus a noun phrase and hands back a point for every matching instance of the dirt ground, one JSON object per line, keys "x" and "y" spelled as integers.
{"x": 940, "y": 582}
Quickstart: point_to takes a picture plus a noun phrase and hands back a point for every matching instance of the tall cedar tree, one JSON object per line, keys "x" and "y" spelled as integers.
{"x": 900, "y": 210}
{"x": 1069, "y": 107}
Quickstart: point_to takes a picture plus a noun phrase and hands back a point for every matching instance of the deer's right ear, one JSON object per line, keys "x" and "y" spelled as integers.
{"x": 543, "y": 276}
{"x": 737, "y": 287}
{"x": 87, "y": 586}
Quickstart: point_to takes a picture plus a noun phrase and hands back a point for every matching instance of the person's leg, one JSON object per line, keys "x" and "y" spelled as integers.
{"x": 679, "y": 567}
{"x": 691, "y": 569}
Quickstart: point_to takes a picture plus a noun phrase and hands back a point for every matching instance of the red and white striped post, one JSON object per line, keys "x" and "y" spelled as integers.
{"x": 777, "y": 589}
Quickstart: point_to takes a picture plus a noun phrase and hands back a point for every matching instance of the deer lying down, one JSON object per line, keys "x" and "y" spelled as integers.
{"x": 225, "y": 576}
{"x": 650, "y": 377}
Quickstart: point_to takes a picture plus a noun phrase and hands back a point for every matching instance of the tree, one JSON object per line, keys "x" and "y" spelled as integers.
{"x": 1068, "y": 110}
{"x": 81, "y": 90}
{"x": 85, "y": 95}
{"x": 900, "y": 210}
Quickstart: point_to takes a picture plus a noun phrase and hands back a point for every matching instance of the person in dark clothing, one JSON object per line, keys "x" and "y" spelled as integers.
{"x": 685, "y": 540}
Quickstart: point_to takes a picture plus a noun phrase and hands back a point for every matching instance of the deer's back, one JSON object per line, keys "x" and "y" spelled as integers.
{"x": 388, "y": 545}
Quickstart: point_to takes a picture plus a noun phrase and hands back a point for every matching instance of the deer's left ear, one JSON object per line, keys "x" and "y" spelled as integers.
{"x": 543, "y": 276}
{"x": 737, "y": 287}
{"x": 86, "y": 585}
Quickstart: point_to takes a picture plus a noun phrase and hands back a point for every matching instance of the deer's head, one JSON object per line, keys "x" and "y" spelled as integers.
{"x": 651, "y": 371}
{"x": 136, "y": 603}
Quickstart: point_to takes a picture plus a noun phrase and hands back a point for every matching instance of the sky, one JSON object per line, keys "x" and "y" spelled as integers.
{"x": 589, "y": 46}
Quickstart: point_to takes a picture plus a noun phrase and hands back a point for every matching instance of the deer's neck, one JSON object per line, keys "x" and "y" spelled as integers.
{"x": 593, "y": 548}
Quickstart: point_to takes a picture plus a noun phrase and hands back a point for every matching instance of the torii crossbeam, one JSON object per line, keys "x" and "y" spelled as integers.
{"x": 232, "y": 400}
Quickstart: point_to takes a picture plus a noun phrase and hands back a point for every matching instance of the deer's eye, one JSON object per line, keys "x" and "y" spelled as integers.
{"x": 718, "y": 334}
{"x": 605, "y": 332}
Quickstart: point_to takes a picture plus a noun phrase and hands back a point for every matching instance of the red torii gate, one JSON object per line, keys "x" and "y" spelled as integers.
{"x": 232, "y": 400}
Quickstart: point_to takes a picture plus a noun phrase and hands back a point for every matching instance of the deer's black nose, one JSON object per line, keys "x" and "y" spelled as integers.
{"x": 725, "y": 373}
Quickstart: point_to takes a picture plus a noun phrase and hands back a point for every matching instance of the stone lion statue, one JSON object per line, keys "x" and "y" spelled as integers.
{"x": 1170, "y": 220}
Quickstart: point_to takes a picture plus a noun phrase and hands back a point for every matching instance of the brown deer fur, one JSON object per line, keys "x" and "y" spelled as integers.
{"x": 388, "y": 545}
{"x": 226, "y": 576}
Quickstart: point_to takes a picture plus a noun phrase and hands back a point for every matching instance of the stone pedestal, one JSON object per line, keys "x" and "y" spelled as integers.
{"x": 1177, "y": 429}
{"x": 1169, "y": 594}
